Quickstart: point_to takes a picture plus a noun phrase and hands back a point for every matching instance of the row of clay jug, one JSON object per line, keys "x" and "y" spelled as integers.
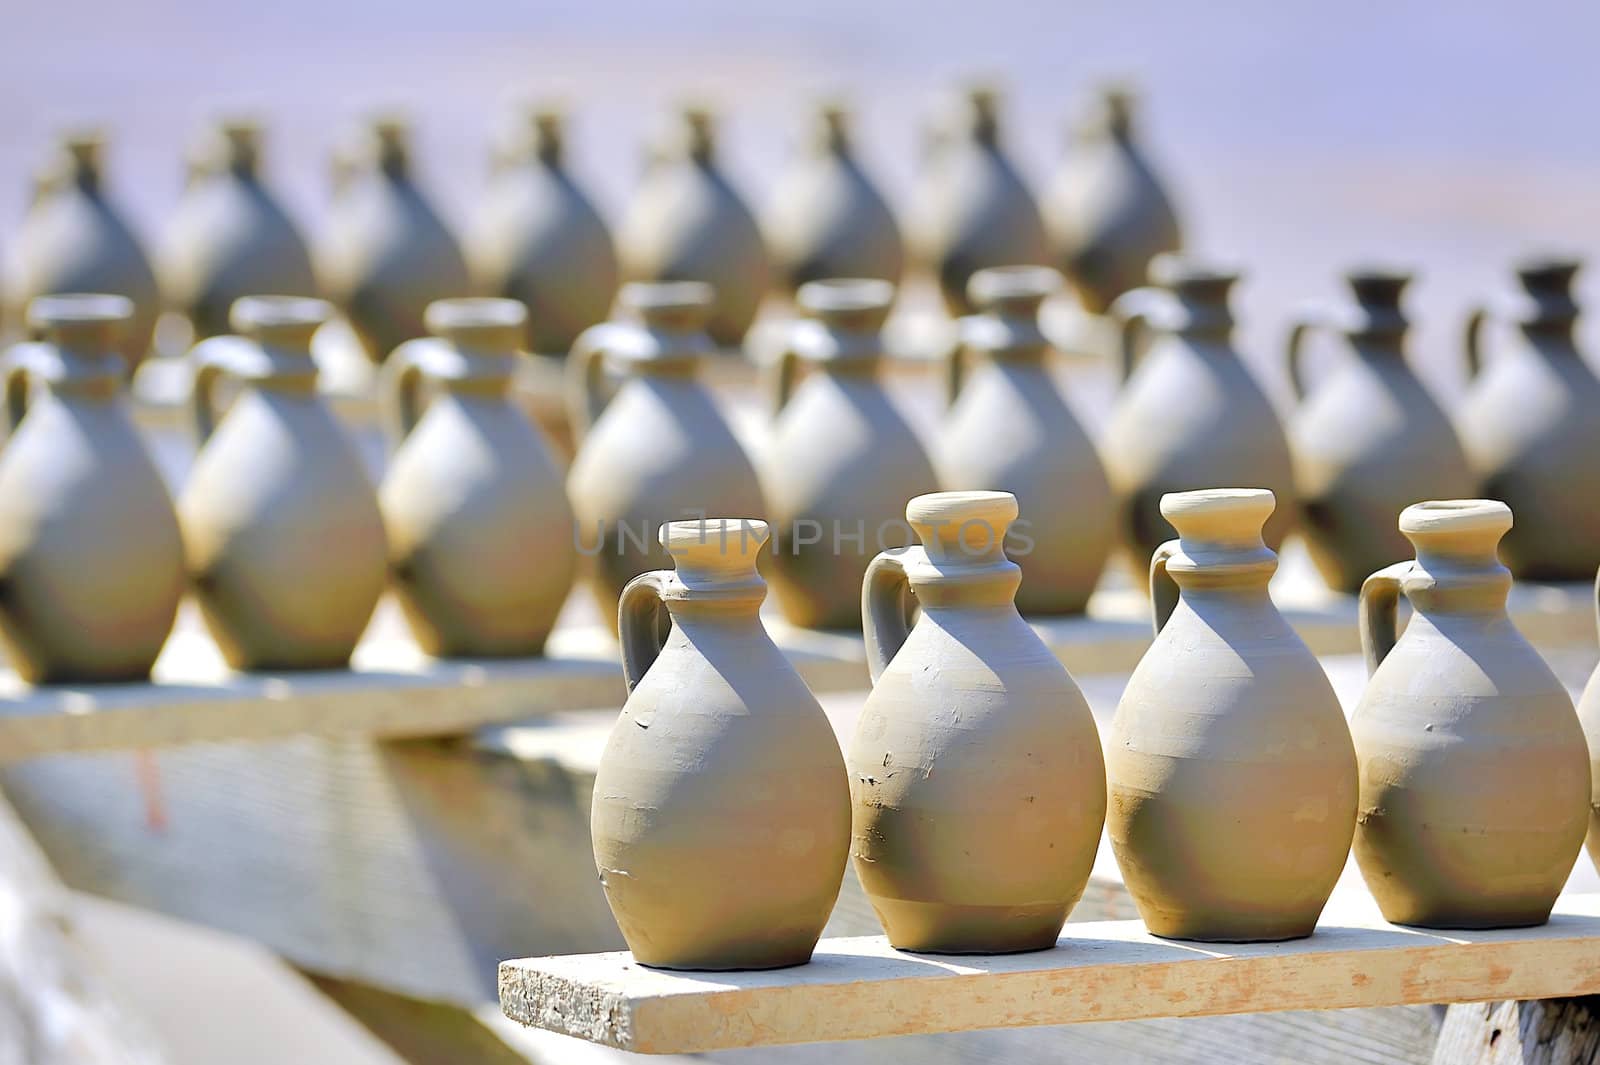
{"x": 278, "y": 533}
{"x": 974, "y": 792}
{"x": 538, "y": 238}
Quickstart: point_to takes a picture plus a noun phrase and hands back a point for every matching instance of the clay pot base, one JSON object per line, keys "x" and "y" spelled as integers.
{"x": 758, "y": 957}
{"x": 1237, "y": 928}
{"x": 1453, "y": 919}
{"x": 936, "y": 928}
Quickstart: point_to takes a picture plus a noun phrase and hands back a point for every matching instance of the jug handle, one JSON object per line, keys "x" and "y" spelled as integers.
{"x": 1131, "y": 313}
{"x": 400, "y": 398}
{"x": 1380, "y": 604}
{"x": 1291, "y": 355}
{"x": 208, "y": 370}
{"x": 886, "y": 602}
{"x": 1164, "y": 592}
{"x": 586, "y": 365}
{"x": 642, "y": 624}
{"x": 18, "y": 382}
{"x": 785, "y": 372}
{"x": 955, "y": 372}
{"x": 1472, "y": 345}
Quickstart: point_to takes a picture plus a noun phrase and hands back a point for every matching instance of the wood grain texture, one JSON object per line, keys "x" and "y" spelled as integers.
{"x": 54, "y": 1010}
{"x": 1099, "y": 971}
{"x": 1563, "y": 1031}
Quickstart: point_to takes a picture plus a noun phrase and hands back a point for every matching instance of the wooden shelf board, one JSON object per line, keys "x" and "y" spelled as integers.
{"x": 860, "y": 988}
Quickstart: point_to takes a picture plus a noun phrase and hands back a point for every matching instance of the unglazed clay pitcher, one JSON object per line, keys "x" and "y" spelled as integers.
{"x": 1009, "y": 429}
{"x": 230, "y": 238}
{"x": 1369, "y": 439}
{"x": 74, "y": 240}
{"x": 1589, "y": 716}
{"x": 1232, "y": 777}
{"x": 539, "y": 240}
{"x": 826, "y": 219}
{"x": 284, "y": 538}
{"x": 1190, "y": 413}
{"x": 91, "y": 563}
{"x": 976, "y": 778}
{"x": 1107, "y": 214}
{"x": 480, "y": 533}
{"x": 721, "y": 815}
{"x": 1530, "y": 422}
{"x": 1474, "y": 772}
{"x": 686, "y": 223}
{"x": 659, "y": 449}
{"x": 971, "y": 209}
{"x": 387, "y": 254}
{"x": 839, "y": 457}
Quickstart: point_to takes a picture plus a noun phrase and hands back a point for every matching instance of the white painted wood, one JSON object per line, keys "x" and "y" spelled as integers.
{"x": 1101, "y": 971}
{"x": 54, "y": 1007}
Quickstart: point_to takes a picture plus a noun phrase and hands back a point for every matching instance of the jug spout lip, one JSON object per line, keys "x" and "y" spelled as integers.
{"x": 1457, "y": 516}
{"x": 1219, "y": 514}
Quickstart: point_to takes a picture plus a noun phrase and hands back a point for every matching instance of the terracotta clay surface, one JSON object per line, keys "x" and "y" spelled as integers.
{"x": 91, "y": 563}
{"x": 1474, "y": 772}
{"x": 74, "y": 239}
{"x": 1190, "y": 413}
{"x": 721, "y": 814}
{"x": 1232, "y": 775}
{"x": 230, "y": 238}
{"x": 658, "y": 449}
{"x": 281, "y": 526}
{"x": 537, "y": 238}
{"x": 480, "y": 534}
{"x": 840, "y": 457}
{"x": 826, "y": 219}
{"x": 1010, "y": 429}
{"x": 386, "y": 253}
{"x": 1531, "y": 425}
{"x": 1107, "y": 212}
{"x": 971, "y": 209}
{"x": 1368, "y": 440}
{"x": 1589, "y": 717}
{"x": 975, "y": 772}
{"x": 686, "y": 222}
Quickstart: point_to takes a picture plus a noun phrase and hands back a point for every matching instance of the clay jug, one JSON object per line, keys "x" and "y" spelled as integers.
{"x": 686, "y": 223}
{"x": 1107, "y": 212}
{"x": 1009, "y": 429}
{"x": 1190, "y": 414}
{"x": 1369, "y": 439}
{"x": 1530, "y": 423}
{"x": 281, "y": 525}
{"x": 721, "y": 814}
{"x": 75, "y": 240}
{"x": 1474, "y": 772}
{"x": 659, "y": 449}
{"x": 386, "y": 253}
{"x": 230, "y": 238}
{"x": 826, "y": 219}
{"x": 977, "y": 783}
{"x": 971, "y": 209}
{"x": 1589, "y": 716}
{"x": 1232, "y": 776}
{"x": 840, "y": 454}
{"x": 539, "y": 239}
{"x": 91, "y": 563}
{"x": 480, "y": 534}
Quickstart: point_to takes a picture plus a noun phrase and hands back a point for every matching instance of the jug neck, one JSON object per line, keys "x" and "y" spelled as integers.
{"x": 714, "y": 576}
{"x": 82, "y": 162}
{"x": 842, "y": 335}
{"x": 1219, "y": 546}
{"x": 1458, "y": 568}
{"x": 962, "y": 558}
{"x": 1010, "y": 298}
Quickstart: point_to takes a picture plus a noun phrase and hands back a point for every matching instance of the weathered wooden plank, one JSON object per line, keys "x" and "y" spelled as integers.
{"x": 1100, "y": 971}
{"x": 1563, "y": 1031}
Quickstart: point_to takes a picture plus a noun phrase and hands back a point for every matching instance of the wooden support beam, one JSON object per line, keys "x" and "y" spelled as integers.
{"x": 1101, "y": 971}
